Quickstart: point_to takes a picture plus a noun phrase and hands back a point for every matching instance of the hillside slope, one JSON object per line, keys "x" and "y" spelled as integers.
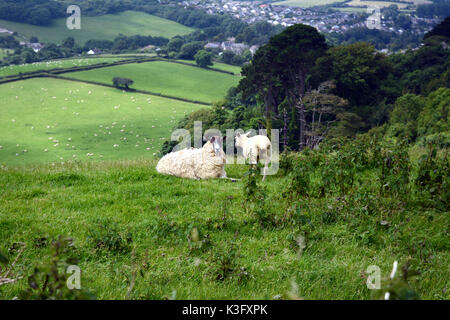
{"x": 46, "y": 120}
{"x": 105, "y": 27}
{"x": 195, "y": 240}
{"x": 184, "y": 81}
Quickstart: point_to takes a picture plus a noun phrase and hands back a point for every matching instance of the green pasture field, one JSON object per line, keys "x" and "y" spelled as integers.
{"x": 218, "y": 65}
{"x": 47, "y": 120}
{"x": 136, "y": 234}
{"x": 105, "y": 27}
{"x": 52, "y": 64}
{"x": 167, "y": 78}
{"x": 227, "y": 67}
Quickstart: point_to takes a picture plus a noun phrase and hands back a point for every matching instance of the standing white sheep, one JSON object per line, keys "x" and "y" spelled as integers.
{"x": 254, "y": 147}
{"x": 207, "y": 162}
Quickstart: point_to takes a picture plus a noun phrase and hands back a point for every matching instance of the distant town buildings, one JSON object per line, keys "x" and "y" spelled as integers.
{"x": 325, "y": 21}
{"x": 36, "y": 46}
{"x": 231, "y": 45}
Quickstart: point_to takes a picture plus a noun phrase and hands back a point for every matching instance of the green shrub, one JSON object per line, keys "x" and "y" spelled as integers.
{"x": 49, "y": 279}
{"x": 106, "y": 236}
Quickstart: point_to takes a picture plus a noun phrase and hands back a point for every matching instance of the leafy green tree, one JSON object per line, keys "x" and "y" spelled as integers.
{"x": 279, "y": 72}
{"x": 434, "y": 117}
{"x": 442, "y": 29}
{"x": 440, "y": 8}
{"x": 261, "y": 79}
{"x": 175, "y": 44}
{"x": 348, "y": 125}
{"x": 296, "y": 51}
{"x": 122, "y": 44}
{"x": 359, "y": 71}
{"x": 227, "y": 57}
{"x": 122, "y": 82}
{"x": 203, "y": 58}
{"x": 28, "y": 55}
{"x": 188, "y": 50}
{"x": 403, "y": 121}
{"x": 69, "y": 42}
{"x": 323, "y": 108}
{"x": 50, "y": 51}
{"x": 9, "y": 42}
{"x": 403, "y": 21}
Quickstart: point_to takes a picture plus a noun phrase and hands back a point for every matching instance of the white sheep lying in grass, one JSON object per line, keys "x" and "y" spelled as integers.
{"x": 254, "y": 147}
{"x": 207, "y": 162}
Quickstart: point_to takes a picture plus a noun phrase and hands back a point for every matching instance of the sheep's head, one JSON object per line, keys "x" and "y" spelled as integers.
{"x": 214, "y": 144}
{"x": 240, "y": 139}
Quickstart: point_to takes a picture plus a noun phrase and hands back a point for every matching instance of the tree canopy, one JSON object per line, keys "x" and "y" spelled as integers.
{"x": 203, "y": 58}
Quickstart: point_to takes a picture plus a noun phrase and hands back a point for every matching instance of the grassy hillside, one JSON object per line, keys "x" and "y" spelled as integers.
{"x": 52, "y": 64}
{"x": 105, "y": 27}
{"x": 191, "y": 239}
{"x": 73, "y": 120}
{"x": 168, "y": 78}
{"x": 227, "y": 67}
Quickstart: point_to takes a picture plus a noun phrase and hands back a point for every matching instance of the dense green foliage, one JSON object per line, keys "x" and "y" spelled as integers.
{"x": 9, "y": 42}
{"x": 341, "y": 91}
{"x": 69, "y": 48}
{"x": 438, "y": 8}
{"x": 53, "y": 120}
{"x": 203, "y": 58}
{"x": 37, "y": 12}
{"x": 379, "y": 38}
{"x": 122, "y": 82}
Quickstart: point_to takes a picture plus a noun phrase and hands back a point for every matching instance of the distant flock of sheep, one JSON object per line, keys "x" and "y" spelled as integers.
{"x": 209, "y": 161}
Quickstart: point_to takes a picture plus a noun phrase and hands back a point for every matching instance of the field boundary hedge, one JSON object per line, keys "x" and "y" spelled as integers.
{"x": 55, "y": 72}
{"x": 78, "y": 68}
{"x": 25, "y": 75}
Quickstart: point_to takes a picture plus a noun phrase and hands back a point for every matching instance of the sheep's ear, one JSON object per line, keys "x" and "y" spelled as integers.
{"x": 205, "y": 139}
{"x": 238, "y": 134}
{"x": 247, "y": 133}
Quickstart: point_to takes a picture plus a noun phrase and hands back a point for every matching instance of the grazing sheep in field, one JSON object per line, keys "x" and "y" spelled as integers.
{"x": 254, "y": 147}
{"x": 207, "y": 162}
